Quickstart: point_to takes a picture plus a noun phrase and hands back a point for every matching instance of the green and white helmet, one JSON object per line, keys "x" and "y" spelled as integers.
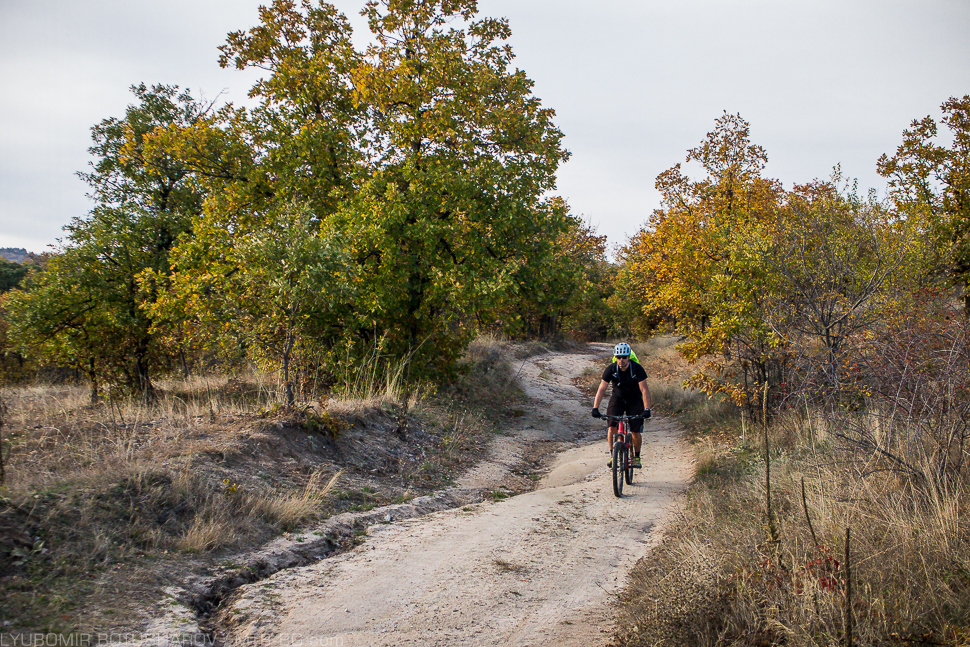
{"x": 621, "y": 350}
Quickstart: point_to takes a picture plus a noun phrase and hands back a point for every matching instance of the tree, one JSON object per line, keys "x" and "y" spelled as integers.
{"x": 11, "y": 274}
{"x": 86, "y": 308}
{"x": 930, "y": 183}
{"x": 422, "y": 162}
{"x": 276, "y": 301}
{"x": 566, "y": 290}
{"x": 767, "y": 286}
{"x": 836, "y": 266}
{"x": 273, "y": 177}
{"x": 540, "y": 293}
{"x": 451, "y": 204}
{"x": 585, "y": 283}
{"x": 697, "y": 263}
{"x": 58, "y": 316}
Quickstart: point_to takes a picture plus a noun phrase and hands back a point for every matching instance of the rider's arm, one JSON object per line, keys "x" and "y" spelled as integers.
{"x": 645, "y": 392}
{"x": 599, "y": 394}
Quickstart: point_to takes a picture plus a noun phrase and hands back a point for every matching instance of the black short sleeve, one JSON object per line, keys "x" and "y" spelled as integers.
{"x": 625, "y": 383}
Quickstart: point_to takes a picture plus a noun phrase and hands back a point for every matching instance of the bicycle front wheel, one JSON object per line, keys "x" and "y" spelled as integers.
{"x": 619, "y": 466}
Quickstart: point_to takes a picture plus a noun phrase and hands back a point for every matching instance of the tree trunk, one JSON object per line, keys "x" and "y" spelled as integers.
{"x": 287, "y": 384}
{"x": 3, "y": 419}
{"x": 416, "y": 285}
{"x": 93, "y": 377}
{"x": 144, "y": 381}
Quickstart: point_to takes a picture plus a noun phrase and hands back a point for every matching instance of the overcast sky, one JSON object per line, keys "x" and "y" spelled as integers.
{"x": 634, "y": 83}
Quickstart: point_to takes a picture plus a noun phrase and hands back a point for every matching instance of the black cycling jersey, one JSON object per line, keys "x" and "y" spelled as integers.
{"x": 626, "y": 383}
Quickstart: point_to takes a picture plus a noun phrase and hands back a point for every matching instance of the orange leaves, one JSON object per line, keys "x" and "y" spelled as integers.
{"x": 691, "y": 260}
{"x": 745, "y": 270}
{"x": 931, "y": 184}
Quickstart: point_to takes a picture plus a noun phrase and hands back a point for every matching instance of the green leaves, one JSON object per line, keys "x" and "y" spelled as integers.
{"x": 86, "y": 309}
{"x": 417, "y": 169}
{"x": 377, "y": 204}
{"x": 462, "y": 153}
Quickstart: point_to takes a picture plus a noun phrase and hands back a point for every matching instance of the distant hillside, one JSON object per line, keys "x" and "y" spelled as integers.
{"x": 14, "y": 255}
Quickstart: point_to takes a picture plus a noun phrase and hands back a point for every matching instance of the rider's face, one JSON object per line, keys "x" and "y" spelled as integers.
{"x": 624, "y": 362}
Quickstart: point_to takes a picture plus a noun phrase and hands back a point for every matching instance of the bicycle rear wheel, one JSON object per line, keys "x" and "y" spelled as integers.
{"x": 629, "y": 470}
{"x": 619, "y": 466}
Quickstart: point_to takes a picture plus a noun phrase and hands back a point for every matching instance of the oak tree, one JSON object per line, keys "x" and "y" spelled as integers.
{"x": 697, "y": 263}
{"x": 423, "y": 162}
{"x": 460, "y": 154}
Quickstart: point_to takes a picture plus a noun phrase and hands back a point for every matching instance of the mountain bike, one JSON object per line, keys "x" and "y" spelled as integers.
{"x": 622, "y": 452}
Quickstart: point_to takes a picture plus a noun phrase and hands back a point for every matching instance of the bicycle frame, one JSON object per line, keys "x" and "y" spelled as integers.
{"x": 622, "y": 452}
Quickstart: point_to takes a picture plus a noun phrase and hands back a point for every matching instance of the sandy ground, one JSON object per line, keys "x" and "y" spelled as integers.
{"x": 539, "y": 568}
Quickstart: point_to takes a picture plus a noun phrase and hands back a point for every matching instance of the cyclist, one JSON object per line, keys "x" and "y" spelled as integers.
{"x": 630, "y": 396}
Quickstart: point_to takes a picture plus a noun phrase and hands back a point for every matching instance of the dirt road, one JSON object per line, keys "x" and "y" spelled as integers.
{"x": 534, "y": 569}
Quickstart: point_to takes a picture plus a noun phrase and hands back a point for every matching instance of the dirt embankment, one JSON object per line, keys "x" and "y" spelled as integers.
{"x": 538, "y": 568}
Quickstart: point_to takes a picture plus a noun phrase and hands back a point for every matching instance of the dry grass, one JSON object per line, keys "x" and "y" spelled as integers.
{"x": 95, "y": 488}
{"x": 376, "y": 382}
{"x": 112, "y": 498}
{"x": 489, "y": 377}
{"x": 717, "y": 578}
{"x": 54, "y": 434}
{"x": 293, "y": 508}
{"x": 216, "y": 523}
{"x": 505, "y": 566}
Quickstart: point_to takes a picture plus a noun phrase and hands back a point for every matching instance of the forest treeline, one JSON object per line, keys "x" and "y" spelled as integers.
{"x": 386, "y": 204}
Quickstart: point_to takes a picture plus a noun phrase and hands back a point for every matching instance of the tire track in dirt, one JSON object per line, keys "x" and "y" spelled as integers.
{"x": 536, "y": 569}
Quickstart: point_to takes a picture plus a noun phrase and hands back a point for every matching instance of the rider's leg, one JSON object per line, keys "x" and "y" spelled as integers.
{"x": 614, "y": 408}
{"x": 637, "y": 409}
{"x": 609, "y": 437}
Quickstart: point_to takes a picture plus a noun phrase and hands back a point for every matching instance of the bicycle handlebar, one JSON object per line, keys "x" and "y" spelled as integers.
{"x": 645, "y": 415}
{"x": 639, "y": 416}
